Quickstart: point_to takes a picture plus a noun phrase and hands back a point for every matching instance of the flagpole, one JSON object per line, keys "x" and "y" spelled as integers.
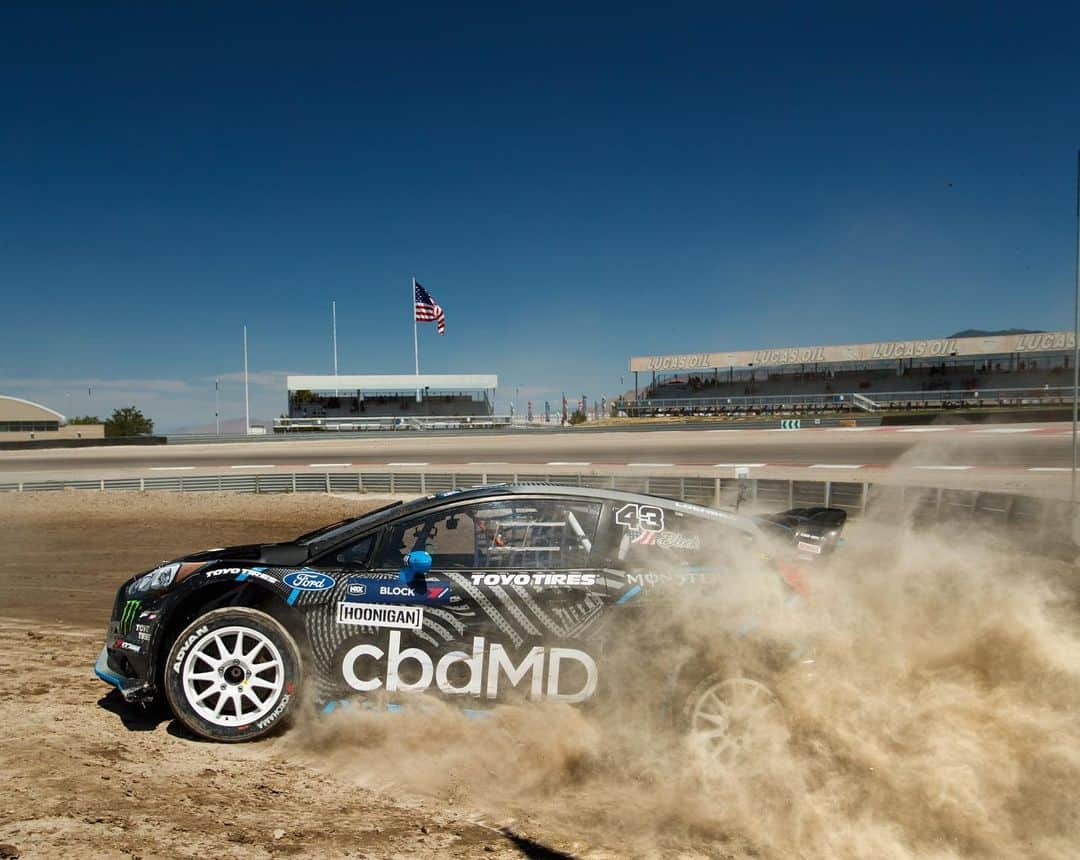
{"x": 247, "y": 403}
{"x": 415, "y": 338}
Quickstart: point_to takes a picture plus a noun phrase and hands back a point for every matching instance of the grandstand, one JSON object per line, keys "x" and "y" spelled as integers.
{"x": 349, "y": 403}
{"x": 974, "y": 369}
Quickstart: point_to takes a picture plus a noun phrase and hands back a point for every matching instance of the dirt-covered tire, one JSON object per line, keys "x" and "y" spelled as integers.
{"x": 731, "y": 721}
{"x": 233, "y": 674}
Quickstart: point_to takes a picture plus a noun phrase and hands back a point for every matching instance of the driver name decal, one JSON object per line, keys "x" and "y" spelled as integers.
{"x": 430, "y": 592}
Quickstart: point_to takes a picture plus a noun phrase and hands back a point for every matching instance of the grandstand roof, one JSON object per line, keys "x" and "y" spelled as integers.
{"x": 945, "y": 347}
{"x": 395, "y": 382}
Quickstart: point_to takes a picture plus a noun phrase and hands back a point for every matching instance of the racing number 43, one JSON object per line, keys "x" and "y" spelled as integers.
{"x": 645, "y": 517}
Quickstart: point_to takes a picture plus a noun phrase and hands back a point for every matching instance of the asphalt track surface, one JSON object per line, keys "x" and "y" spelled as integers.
{"x": 1016, "y": 456}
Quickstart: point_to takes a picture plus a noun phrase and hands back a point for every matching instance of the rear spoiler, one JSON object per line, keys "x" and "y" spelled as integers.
{"x": 814, "y": 531}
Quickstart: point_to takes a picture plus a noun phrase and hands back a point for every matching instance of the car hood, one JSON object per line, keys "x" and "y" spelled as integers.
{"x": 271, "y": 554}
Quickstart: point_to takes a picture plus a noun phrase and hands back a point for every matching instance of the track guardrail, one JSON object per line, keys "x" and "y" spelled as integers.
{"x": 1037, "y": 518}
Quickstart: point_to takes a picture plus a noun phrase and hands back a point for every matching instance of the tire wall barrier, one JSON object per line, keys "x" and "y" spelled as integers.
{"x": 82, "y": 443}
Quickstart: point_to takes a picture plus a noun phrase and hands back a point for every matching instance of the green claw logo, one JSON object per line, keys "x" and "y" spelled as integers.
{"x": 128, "y": 616}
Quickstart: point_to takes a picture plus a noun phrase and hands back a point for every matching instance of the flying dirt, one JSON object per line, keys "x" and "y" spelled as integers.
{"x": 937, "y": 718}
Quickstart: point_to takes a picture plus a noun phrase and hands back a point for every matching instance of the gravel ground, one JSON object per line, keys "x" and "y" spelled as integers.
{"x": 86, "y": 775}
{"x": 939, "y": 720}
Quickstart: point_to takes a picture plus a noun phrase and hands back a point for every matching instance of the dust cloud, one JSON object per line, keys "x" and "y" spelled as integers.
{"x": 939, "y": 718}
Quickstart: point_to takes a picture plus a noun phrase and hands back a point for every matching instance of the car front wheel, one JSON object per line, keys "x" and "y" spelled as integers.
{"x": 233, "y": 674}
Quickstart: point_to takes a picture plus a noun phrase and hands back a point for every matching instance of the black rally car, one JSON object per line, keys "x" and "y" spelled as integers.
{"x": 487, "y": 595}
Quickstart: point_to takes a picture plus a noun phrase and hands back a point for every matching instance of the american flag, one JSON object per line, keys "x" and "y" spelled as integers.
{"x": 428, "y": 310}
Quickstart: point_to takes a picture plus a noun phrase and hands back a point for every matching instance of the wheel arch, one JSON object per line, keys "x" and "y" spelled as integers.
{"x": 207, "y": 596}
{"x": 736, "y": 655}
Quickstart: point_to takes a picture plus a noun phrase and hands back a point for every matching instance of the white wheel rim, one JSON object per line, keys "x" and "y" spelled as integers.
{"x": 725, "y": 715}
{"x": 233, "y": 676}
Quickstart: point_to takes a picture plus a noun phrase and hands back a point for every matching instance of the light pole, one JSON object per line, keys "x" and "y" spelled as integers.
{"x": 333, "y": 338}
{"x": 217, "y": 413}
{"x": 333, "y": 331}
{"x": 247, "y": 402}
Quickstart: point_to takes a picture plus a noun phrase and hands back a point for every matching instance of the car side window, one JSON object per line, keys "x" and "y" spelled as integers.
{"x": 515, "y": 533}
{"x": 357, "y": 553}
{"x": 448, "y": 535}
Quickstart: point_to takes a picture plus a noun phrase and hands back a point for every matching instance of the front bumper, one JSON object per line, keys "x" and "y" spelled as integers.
{"x": 133, "y": 689}
{"x": 128, "y": 658}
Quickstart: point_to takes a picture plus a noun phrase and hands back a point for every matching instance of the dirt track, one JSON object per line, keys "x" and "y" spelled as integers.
{"x": 86, "y": 775}
{"x": 945, "y": 724}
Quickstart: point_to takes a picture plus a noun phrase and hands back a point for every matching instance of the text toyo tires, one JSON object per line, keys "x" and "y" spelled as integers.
{"x": 233, "y": 675}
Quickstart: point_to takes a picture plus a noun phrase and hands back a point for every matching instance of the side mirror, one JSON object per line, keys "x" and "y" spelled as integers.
{"x": 416, "y": 564}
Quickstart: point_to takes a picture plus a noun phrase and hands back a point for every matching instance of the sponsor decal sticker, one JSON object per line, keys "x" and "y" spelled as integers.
{"x": 438, "y": 593}
{"x": 274, "y": 714}
{"x": 810, "y": 547}
{"x": 127, "y": 616}
{"x": 257, "y": 574}
{"x": 533, "y": 578}
{"x": 652, "y": 579}
{"x": 182, "y": 653}
{"x": 430, "y": 592}
{"x": 131, "y": 646}
{"x": 489, "y": 667}
{"x": 378, "y": 615}
{"x": 307, "y": 580}
{"x": 230, "y": 571}
{"x": 142, "y": 631}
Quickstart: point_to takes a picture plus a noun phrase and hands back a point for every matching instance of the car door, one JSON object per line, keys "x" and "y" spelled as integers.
{"x": 511, "y": 603}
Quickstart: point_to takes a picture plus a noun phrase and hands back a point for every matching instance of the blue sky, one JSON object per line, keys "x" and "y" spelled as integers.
{"x": 574, "y": 183}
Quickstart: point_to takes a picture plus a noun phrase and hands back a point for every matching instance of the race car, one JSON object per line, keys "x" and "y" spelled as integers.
{"x": 508, "y": 593}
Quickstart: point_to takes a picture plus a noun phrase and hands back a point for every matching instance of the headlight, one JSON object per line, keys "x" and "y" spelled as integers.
{"x": 157, "y": 579}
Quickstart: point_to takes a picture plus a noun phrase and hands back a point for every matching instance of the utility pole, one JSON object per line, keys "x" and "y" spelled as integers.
{"x": 217, "y": 413}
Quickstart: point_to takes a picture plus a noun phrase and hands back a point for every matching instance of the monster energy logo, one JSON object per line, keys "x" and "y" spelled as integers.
{"x": 127, "y": 618}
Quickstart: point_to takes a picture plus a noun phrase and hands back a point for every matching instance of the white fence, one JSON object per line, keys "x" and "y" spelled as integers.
{"x": 1037, "y": 519}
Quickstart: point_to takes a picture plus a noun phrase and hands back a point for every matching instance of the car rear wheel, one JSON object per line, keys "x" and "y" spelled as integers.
{"x": 233, "y": 674}
{"x": 732, "y": 723}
